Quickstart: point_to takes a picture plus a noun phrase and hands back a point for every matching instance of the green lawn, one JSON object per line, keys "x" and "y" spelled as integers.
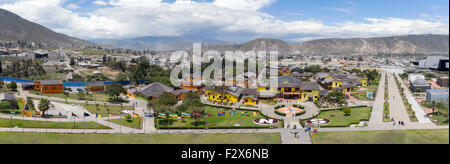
{"x": 43, "y": 138}
{"x": 132, "y": 123}
{"x": 215, "y": 121}
{"x": 51, "y": 125}
{"x": 373, "y": 86}
{"x": 249, "y": 106}
{"x": 383, "y": 137}
{"x": 339, "y": 119}
{"x": 103, "y": 109}
{"x": 270, "y": 102}
{"x": 101, "y": 97}
{"x": 362, "y": 95}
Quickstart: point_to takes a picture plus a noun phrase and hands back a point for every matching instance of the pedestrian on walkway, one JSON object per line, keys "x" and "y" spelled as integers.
{"x": 315, "y": 131}
{"x": 393, "y": 123}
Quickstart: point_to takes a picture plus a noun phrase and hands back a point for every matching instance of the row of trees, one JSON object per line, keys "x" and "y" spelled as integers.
{"x": 23, "y": 68}
{"x": 166, "y": 102}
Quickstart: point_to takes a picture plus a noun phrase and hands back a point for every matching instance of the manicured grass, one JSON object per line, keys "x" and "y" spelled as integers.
{"x": 102, "y": 109}
{"x": 339, "y": 119}
{"x": 132, "y": 123}
{"x": 383, "y": 137}
{"x": 214, "y": 120}
{"x": 101, "y": 97}
{"x": 51, "y": 125}
{"x": 45, "y": 138}
{"x": 270, "y": 102}
{"x": 362, "y": 95}
{"x": 373, "y": 86}
{"x": 249, "y": 106}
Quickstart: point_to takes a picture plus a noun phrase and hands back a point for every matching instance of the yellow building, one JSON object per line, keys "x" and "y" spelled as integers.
{"x": 250, "y": 96}
{"x": 225, "y": 95}
{"x": 291, "y": 88}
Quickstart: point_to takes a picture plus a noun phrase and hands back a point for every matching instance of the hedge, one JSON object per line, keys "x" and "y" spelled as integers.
{"x": 299, "y": 106}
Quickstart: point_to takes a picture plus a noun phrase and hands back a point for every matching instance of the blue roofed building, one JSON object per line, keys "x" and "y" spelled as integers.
{"x": 437, "y": 95}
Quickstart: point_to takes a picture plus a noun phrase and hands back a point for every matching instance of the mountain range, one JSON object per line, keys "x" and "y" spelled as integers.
{"x": 13, "y": 27}
{"x": 410, "y": 44}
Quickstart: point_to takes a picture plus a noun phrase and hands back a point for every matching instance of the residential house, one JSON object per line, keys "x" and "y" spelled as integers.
{"x": 95, "y": 86}
{"x": 224, "y": 94}
{"x": 250, "y": 96}
{"x": 49, "y": 86}
{"x": 8, "y": 101}
{"x": 154, "y": 90}
{"x": 290, "y": 88}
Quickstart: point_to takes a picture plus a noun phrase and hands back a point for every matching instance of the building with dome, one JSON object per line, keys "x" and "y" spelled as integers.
{"x": 420, "y": 85}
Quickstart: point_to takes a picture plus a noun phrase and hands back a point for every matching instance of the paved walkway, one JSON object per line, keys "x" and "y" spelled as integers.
{"x": 396, "y": 106}
{"x": 420, "y": 114}
{"x": 376, "y": 118}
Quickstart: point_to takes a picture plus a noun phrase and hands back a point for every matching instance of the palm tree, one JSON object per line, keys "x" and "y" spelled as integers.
{"x": 44, "y": 106}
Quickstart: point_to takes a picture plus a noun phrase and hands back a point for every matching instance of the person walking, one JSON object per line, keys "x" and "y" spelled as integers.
{"x": 315, "y": 131}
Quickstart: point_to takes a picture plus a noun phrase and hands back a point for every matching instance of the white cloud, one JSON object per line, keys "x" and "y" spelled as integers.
{"x": 251, "y": 5}
{"x": 73, "y": 6}
{"x": 100, "y": 3}
{"x": 138, "y": 18}
{"x": 293, "y": 13}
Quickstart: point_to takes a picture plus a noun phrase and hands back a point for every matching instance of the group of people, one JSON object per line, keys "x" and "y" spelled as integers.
{"x": 308, "y": 129}
{"x": 400, "y": 123}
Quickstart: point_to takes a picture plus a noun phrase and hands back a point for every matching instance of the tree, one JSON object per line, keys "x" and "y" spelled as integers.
{"x": 30, "y": 103}
{"x": 192, "y": 99}
{"x": 72, "y": 62}
{"x": 167, "y": 99}
{"x": 44, "y": 106}
{"x": 1, "y": 68}
{"x": 114, "y": 90}
{"x": 121, "y": 77}
{"x": 1, "y": 83}
{"x": 347, "y": 111}
{"x": 12, "y": 86}
{"x": 418, "y": 90}
{"x": 66, "y": 94}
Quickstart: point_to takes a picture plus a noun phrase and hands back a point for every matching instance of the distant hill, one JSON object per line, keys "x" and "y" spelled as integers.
{"x": 160, "y": 43}
{"x": 267, "y": 44}
{"x": 411, "y": 44}
{"x": 14, "y": 27}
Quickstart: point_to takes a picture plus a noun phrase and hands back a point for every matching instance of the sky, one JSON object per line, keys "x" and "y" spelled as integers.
{"x": 236, "y": 20}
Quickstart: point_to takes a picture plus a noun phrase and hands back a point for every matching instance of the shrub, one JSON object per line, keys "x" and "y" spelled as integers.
{"x": 347, "y": 111}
